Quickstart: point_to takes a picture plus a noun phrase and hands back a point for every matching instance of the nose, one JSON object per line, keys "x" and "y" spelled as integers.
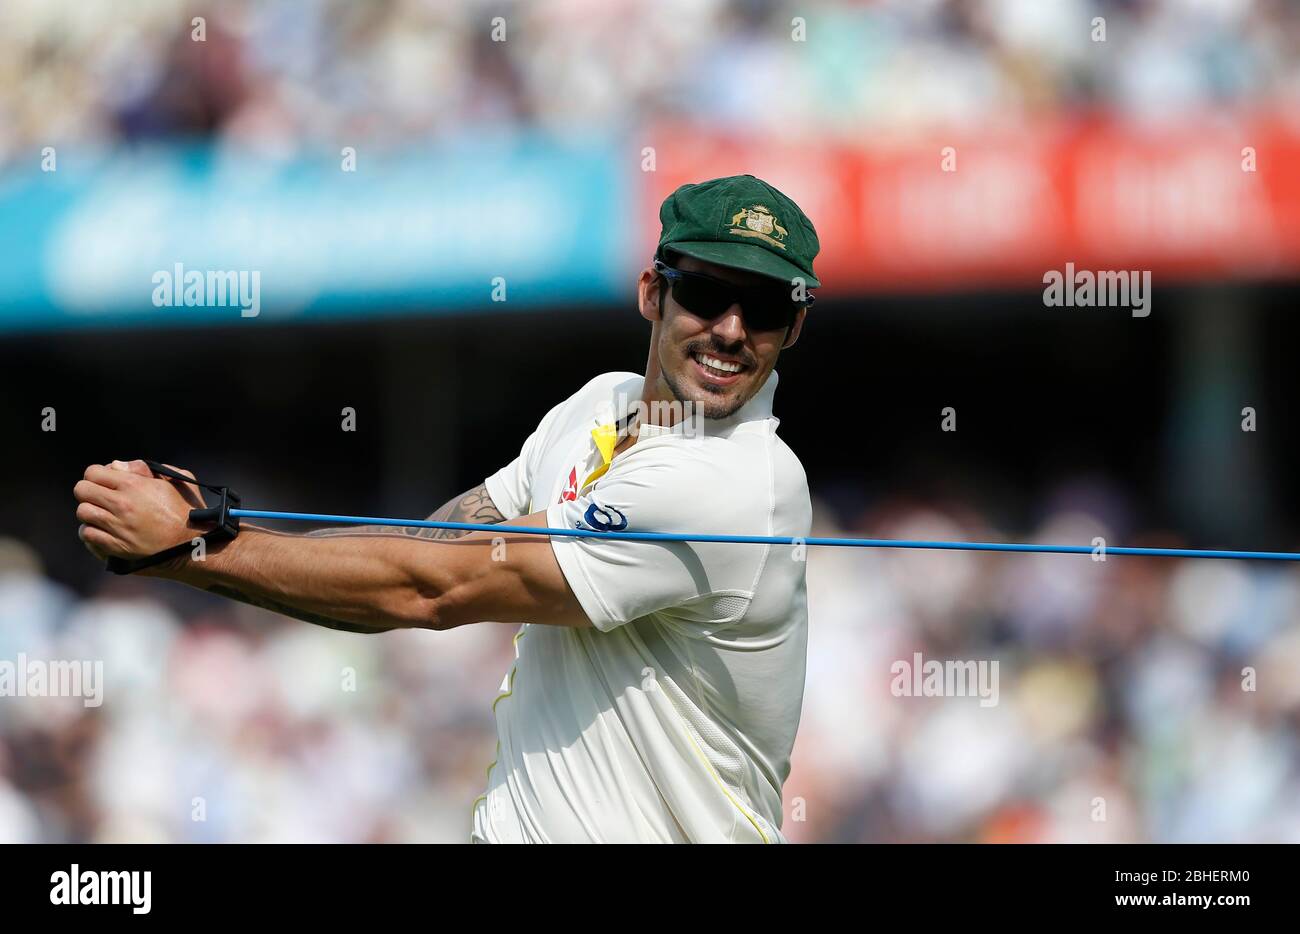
{"x": 730, "y": 325}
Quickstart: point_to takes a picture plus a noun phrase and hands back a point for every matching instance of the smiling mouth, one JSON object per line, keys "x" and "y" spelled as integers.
{"x": 718, "y": 370}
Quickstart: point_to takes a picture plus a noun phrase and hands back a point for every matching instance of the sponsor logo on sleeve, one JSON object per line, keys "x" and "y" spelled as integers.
{"x": 605, "y": 518}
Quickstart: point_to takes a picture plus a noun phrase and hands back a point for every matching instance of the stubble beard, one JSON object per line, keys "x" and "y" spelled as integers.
{"x": 711, "y": 405}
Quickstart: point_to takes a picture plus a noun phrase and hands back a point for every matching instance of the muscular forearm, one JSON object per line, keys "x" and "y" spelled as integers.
{"x": 227, "y": 579}
{"x": 355, "y": 580}
{"x": 358, "y": 582}
{"x": 230, "y": 589}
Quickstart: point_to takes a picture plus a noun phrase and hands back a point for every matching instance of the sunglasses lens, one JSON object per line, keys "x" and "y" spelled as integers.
{"x": 702, "y": 297}
{"x": 768, "y": 312}
{"x": 764, "y": 309}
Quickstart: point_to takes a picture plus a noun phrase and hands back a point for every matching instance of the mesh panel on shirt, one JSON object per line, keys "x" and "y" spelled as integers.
{"x": 730, "y": 607}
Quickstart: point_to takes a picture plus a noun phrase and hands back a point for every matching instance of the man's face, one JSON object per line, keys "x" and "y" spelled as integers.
{"x": 717, "y": 364}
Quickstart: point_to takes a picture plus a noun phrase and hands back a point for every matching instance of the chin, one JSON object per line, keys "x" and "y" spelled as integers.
{"x": 714, "y": 401}
{"x": 718, "y": 408}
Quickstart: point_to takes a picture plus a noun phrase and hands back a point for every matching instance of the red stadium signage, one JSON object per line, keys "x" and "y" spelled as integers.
{"x": 1213, "y": 198}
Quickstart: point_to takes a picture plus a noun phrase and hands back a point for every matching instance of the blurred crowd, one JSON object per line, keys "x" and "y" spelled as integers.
{"x": 1138, "y": 700}
{"x": 284, "y": 76}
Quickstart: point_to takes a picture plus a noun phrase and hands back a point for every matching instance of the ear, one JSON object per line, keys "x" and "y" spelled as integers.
{"x": 648, "y": 291}
{"x": 795, "y": 329}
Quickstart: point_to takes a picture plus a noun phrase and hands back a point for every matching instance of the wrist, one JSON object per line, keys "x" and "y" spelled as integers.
{"x": 202, "y": 571}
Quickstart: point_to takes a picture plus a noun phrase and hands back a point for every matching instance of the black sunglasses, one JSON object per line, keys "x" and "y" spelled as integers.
{"x": 766, "y": 308}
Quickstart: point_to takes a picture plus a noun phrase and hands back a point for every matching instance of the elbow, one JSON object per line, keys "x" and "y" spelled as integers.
{"x": 459, "y": 605}
{"x": 415, "y": 609}
{"x": 405, "y": 608}
{"x": 415, "y": 598}
{"x": 438, "y": 618}
{"x": 451, "y": 598}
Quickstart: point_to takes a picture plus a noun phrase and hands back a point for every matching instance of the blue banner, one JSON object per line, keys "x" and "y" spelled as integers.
{"x": 167, "y": 236}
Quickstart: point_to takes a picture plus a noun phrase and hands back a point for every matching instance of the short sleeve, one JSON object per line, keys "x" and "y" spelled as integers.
{"x": 700, "y": 584}
{"x": 511, "y": 487}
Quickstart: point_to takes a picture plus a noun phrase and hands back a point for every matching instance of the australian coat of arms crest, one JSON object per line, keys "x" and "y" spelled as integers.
{"x": 758, "y": 222}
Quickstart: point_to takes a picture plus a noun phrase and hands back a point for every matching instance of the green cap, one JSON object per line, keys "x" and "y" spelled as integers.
{"x": 742, "y": 222}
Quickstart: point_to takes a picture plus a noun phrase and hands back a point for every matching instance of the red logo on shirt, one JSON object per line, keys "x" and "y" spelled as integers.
{"x": 571, "y": 491}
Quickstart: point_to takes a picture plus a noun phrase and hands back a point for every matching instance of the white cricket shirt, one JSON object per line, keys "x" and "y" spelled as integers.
{"x": 672, "y": 719}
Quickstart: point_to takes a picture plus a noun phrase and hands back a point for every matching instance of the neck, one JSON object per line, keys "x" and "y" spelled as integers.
{"x": 659, "y": 405}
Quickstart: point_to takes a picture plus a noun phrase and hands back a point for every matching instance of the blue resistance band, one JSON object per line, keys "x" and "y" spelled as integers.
{"x": 227, "y": 512}
{"x": 770, "y": 539}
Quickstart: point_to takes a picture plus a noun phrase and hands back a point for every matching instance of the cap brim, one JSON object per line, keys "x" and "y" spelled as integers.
{"x": 744, "y": 256}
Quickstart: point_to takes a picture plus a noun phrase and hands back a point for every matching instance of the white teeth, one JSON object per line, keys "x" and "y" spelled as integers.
{"x": 713, "y": 363}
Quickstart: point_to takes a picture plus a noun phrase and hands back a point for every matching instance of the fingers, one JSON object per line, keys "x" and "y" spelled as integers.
{"x": 81, "y": 534}
{"x": 95, "y": 522}
{"x": 91, "y": 514}
{"x": 124, "y": 510}
{"x": 92, "y": 501}
{"x": 89, "y": 491}
{"x": 101, "y": 482}
{"x": 112, "y": 474}
{"x": 99, "y": 542}
{"x": 137, "y": 467}
{"x": 107, "y": 496}
{"x": 105, "y": 475}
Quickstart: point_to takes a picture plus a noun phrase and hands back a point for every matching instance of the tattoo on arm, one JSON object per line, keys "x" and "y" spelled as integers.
{"x": 471, "y": 506}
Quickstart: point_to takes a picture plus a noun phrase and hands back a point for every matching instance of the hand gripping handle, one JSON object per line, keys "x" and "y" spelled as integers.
{"x": 224, "y": 529}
